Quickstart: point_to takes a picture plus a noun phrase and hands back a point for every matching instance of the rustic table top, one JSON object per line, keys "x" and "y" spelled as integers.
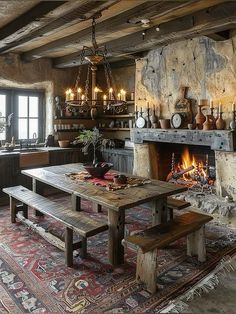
{"x": 116, "y": 200}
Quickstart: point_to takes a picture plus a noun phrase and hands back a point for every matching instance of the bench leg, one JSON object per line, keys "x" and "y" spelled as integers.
{"x": 83, "y": 250}
{"x": 96, "y": 207}
{"x": 22, "y": 208}
{"x": 146, "y": 269}
{"x": 37, "y": 188}
{"x": 69, "y": 247}
{"x": 13, "y": 209}
{"x": 196, "y": 244}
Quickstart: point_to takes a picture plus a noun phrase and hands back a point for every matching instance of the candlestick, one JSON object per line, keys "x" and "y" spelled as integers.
{"x": 233, "y": 107}
{"x": 220, "y": 107}
{"x": 211, "y": 104}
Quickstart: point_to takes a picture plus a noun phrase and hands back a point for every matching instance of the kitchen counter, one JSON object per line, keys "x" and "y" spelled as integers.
{"x": 17, "y": 151}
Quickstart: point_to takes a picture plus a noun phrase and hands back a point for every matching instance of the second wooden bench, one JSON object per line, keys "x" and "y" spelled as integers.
{"x": 79, "y": 222}
{"x": 149, "y": 241}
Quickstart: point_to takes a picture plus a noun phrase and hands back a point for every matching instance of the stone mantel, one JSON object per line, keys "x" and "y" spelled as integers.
{"x": 217, "y": 140}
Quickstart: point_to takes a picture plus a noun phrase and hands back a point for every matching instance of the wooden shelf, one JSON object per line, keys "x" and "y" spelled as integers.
{"x": 69, "y": 120}
{"x": 114, "y": 129}
{"x": 67, "y": 130}
{"x": 115, "y": 116}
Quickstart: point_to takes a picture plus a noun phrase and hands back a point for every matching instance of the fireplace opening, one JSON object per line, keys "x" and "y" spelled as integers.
{"x": 190, "y": 165}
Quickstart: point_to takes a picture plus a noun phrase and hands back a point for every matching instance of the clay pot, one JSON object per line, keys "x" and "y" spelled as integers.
{"x": 220, "y": 122}
{"x": 208, "y": 124}
{"x": 165, "y": 123}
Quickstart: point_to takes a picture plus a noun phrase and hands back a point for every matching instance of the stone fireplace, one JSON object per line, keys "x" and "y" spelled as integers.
{"x": 154, "y": 148}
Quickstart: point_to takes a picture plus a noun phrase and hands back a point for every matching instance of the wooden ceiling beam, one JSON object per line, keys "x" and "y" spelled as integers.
{"x": 220, "y": 36}
{"x": 112, "y": 25}
{"x": 203, "y": 22}
{"x": 80, "y": 11}
{"x": 21, "y": 24}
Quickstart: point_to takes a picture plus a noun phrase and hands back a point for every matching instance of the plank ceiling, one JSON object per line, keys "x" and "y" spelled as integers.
{"x": 59, "y": 29}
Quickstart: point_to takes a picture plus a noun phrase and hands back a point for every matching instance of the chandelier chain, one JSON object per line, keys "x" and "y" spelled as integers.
{"x": 77, "y": 82}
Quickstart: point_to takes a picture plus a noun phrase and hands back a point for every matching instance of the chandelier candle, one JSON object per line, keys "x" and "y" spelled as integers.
{"x": 104, "y": 100}
{"x": 79, "y": 93}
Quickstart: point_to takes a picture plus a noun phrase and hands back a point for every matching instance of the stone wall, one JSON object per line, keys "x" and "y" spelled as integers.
{"x": 38, "y": 74}
{"x": 208, "y": 68}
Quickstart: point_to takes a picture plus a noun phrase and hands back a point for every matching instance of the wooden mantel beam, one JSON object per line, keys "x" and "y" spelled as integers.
{"x": 69, "y": 14}
{"x": 204, "y": 22}
{"x": 156, "y": 10}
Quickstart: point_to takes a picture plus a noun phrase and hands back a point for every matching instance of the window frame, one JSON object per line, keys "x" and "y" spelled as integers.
{"x": 12, "y": 106}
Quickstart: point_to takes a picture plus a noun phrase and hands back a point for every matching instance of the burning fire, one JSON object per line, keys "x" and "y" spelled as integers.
{"x": 189, "y": 170}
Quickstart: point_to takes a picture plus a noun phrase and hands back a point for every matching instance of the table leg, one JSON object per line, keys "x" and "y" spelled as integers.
{"x": 116, "y": 222}
{"x": 37, "y": 189}
{"x": 76, "y": 202}
{"x": 159, "y": 211}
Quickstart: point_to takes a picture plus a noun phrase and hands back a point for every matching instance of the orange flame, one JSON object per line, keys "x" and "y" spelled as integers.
{"x": 193, "y": 175}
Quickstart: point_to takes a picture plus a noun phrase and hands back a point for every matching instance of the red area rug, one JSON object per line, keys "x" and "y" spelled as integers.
{"x": 34, "y": 278}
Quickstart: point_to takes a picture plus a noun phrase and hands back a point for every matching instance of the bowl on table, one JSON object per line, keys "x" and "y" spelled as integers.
{"x": 99, "y": 169}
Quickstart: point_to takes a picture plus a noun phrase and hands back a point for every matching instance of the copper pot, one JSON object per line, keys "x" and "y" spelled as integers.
{"x": 165, "y": 123}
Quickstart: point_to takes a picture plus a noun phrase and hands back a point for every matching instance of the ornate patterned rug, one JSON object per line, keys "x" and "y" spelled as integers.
{"x": 34, "y": 278}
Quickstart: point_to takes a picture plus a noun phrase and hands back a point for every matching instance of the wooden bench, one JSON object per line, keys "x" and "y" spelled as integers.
{"x": 149, "y": 241}
{"x": 175, "y": 204}
{"x": 79, "y": 222}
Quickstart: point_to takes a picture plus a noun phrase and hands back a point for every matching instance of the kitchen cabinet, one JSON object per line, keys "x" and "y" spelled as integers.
{"x": 9, "y": 171}
{"x": 122, "y": 159}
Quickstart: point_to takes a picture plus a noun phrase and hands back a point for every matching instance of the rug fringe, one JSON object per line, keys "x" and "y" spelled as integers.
{"x": 208, "y": 283}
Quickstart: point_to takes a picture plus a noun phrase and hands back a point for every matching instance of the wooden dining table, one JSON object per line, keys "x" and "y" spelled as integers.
{"x": 116, "y": 202}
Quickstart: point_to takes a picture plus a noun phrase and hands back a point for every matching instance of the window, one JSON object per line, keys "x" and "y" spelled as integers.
{"x": 28, "y": 114}
{"x": 3, "y": 115}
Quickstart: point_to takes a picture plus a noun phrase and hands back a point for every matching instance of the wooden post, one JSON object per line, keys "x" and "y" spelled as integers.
{"x": 37, "y": 189}
{"x": 159, "y": 211}
{"x": 116, "y": 223}
{"x": 146, "y": 269}
{"x": 76, "y": 202}
{"x": 196, "y": 244}
{"x": 13, "y": 209}
{"x": 69, "y": 247}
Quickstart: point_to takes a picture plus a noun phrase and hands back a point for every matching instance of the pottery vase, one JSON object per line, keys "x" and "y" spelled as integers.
{"x": 207, "y": 125}
{"x": 200, "y": 118}
{"x": 220, "y": 122}
{"x": 94, "y": 113}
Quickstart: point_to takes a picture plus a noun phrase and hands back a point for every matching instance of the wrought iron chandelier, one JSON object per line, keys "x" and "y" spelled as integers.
{"x": 88, "y": 98}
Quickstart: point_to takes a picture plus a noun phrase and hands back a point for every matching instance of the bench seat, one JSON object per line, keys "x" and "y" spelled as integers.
{"x": 149, "y": 241}
{"x": 79, "y": 222}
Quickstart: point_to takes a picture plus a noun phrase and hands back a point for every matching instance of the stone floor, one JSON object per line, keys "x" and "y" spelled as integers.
{"x": 223, "y": 298}
{"x": 220, "y": 300}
